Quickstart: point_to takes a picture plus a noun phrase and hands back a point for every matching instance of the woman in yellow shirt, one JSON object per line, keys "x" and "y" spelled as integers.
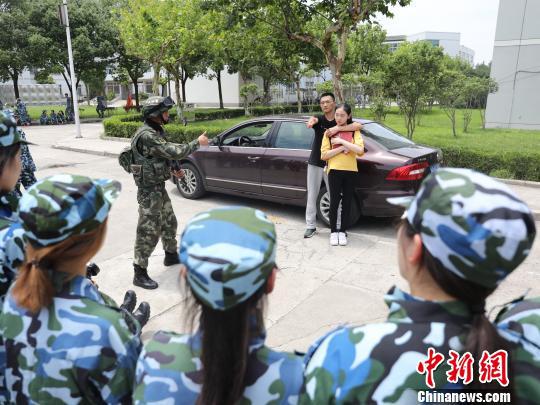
{"x": 340, "y": 152}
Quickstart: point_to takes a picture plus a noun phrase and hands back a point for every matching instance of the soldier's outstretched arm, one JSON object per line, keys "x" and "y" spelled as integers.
{"x": 174, "y": 151}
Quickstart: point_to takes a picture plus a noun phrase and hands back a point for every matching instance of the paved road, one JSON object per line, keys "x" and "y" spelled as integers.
{"x": 318, "y": 286}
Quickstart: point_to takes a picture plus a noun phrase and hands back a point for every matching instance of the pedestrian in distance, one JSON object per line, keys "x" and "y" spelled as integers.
{"x": 11, "y": 232}
{"x": 100, "y": 108}
{"x": 315, "y": 169}
{"x": 53, "y": 118}
{"x": 22, "y": 113}
{"x": 150, "y": 163}
{"x": 340, "y": 151}
{"x": 28, "y": 177}
{"x": 44, "y": 118}
{"x": 61, "y": 118}
{"x": 65, "y": 341}
{"x": 460, "y": 237}
{"x": 230, "y": 268}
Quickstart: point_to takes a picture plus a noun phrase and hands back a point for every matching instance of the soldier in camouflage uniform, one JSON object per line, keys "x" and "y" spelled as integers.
{"x": 152, "y": 155}
{"x": 229, "y": 258}
{"x": 11, "y": 232}
{"x": 460, "y": 237}
{"x": 65, "y": 341}
{"x": 22, "y": 112}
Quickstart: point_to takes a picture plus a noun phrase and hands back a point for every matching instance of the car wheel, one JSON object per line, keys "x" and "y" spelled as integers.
{"x": 323, "y": 208}
{"x": 191, "y": 185}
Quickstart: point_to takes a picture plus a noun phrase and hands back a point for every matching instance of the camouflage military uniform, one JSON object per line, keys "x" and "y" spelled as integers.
{"x": 22, "y": 112}
{"x": 27, "y": 178}
{"x": 520, "y": 323}
{"x": 79, "y": 349}
{"x": 229, "y": 253}
{"x": 156, "y": 215}
{"x": 480, "y": 231}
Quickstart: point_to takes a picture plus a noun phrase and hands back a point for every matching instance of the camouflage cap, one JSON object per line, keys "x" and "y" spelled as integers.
{"x": 474, "y": 225}
{"x": 229, "y": 253}
{"x": 9, "y": 134}
{"x": 64, "y": 205}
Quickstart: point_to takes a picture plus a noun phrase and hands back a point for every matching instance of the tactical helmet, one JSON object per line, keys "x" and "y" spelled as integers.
{"x": 156, "y": 105}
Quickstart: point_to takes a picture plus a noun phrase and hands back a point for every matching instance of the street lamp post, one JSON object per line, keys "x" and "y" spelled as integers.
{"x": 75, "y": 99}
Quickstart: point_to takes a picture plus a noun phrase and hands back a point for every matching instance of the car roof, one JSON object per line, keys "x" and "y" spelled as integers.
{"x": 297, "y": 117}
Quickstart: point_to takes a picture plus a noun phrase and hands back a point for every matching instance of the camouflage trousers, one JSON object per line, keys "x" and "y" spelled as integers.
{"x": 156, "y": 219}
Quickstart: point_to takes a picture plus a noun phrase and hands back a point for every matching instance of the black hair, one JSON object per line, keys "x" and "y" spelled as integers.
{"x": 328, "y": 94}
{"x": 225, "y": 346}
{"x": 345, "y": 107}
{"x": 7, "y": 153}
{"x": 482, "y": 334}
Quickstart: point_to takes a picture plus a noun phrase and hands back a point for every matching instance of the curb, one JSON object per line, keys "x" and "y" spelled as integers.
{"x": 527, "y": 183}
{"x": 87, "y": 151}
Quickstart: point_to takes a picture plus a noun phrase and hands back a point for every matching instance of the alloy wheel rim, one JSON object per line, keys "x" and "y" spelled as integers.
{"x": 189, "y": 183}
{"x": 325, "y": 206}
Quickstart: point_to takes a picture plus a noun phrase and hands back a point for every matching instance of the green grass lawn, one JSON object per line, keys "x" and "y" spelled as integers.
{"x": 435, "y": 129}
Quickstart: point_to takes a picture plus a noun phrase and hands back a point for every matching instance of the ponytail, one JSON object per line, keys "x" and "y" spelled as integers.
{"x": 225, "y": 347}
{"x": 33, "y": 288}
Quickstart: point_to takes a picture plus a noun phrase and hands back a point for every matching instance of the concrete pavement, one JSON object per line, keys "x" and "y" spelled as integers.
{"x": 318, "y": 286}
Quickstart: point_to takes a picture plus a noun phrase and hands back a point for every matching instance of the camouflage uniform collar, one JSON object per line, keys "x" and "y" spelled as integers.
{"x": 155, "y": 126}
{"x": 77, "y": 287}
{"x": 8, "y": 205}
{"x": 406, "y": 308}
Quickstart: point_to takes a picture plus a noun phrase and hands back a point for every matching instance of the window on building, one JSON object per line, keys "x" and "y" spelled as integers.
{"x": 434, "y": 42}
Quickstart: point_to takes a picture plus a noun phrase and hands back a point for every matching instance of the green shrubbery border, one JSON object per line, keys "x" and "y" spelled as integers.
{"x": 522, "y": 166}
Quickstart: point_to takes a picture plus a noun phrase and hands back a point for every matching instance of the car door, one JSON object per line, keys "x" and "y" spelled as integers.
{"x": 284, "y": 165}
{"x": 234, "y": 162}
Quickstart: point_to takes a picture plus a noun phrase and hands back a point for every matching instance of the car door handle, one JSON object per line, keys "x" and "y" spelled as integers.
{"x": 254, "y": 158}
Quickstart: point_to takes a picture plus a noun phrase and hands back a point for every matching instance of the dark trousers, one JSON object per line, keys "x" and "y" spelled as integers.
{"x": 341, "y": 183}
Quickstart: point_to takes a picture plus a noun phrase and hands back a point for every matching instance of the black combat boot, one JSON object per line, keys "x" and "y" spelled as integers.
{"x": 141, "y": 278}
{"x": 142, "y": 314}
{"x": 130, "y": 300}
{"x": 171, "y": 259}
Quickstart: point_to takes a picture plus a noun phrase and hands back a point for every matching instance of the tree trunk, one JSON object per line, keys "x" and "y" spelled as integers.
{"x": 218, "y": 77}
{"x": 87, "y": 94}
{"x": 179, "y": 109}
{"x": 298, "y": 99}
{"x": 15, "y": 78}
{"x": 155, "y": 80}
{"x": 335, "y": 68}
{"x": 483, "y": 117}
{"x": 266, "y": 91}
{"x": 185, "y": 77}
{"x": 136, "y": 89}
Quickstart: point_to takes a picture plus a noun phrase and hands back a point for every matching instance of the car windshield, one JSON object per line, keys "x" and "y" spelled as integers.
{"x": 385, "y": 136}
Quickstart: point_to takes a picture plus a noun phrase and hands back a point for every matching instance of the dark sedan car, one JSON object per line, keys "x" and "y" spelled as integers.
{"x": 267, "y": 157}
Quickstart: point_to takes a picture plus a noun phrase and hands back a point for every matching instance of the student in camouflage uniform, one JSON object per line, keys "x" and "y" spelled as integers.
{"x": 65, "y": 341}
{"x": 43, "y": 118}
{"x": 11, "y": 232}
{"x": 28, "y": 177}
{"x": 460, "y": 237}
{"x": 229, "y": 258}
{"x": 22, "y": 112}
{"x": 152, "y": 154}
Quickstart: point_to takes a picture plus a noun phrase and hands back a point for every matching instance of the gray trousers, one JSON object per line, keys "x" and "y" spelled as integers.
{"x": 315, "y": 175}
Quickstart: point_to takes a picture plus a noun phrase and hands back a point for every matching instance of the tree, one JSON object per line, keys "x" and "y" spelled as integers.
{"x": 248, "y": 92}
{"x": 452, "y": 94}
{"x": 324, "y": 24}
{"x": 92, "y": 35}
{"x": 130, "y": 68}
{"x": 413, "y": 71}
{"x": 366, "y": 50}
{"x": 14, "y": 37}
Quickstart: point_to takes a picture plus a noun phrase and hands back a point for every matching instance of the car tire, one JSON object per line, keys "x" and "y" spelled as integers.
{"x": 323, "y": 208}
{"x": 191, "y": 186}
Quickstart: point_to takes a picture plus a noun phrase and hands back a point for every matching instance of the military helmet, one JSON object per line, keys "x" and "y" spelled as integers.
{"x": 477, "y": 227}
{"x": 229, "y": 254}
{"x": 156, "y": 105}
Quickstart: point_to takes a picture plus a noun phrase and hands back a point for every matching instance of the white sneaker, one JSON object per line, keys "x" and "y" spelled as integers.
{"x": 334, "y": 240}
{"x": 342, "y": 237}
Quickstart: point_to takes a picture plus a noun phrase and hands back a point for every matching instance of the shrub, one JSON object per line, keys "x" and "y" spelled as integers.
{"x": 523, "y": 166}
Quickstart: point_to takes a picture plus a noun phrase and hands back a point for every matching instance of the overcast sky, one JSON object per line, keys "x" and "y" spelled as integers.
{"x": 474, "y": 19}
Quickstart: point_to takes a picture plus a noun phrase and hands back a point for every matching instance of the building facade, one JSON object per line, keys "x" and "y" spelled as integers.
{"x": 516, "y": 67}
{"x": 450, "y": 42}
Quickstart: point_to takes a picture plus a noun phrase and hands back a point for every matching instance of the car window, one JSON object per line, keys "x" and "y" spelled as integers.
{"x": 294, "y": 135}
{"x": 385, "y": 136}
{"x": 250, "y": 135}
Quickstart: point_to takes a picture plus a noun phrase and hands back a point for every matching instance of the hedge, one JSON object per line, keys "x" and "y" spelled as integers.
{"x": 523, "y": 166}
{"x": 217, "y": 114}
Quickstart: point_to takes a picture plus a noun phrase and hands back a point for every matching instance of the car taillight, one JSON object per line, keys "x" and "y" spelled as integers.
{"x": 414, "y": 171}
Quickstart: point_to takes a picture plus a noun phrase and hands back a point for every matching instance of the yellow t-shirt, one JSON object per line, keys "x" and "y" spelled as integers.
{"x": 342, "y": 161}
